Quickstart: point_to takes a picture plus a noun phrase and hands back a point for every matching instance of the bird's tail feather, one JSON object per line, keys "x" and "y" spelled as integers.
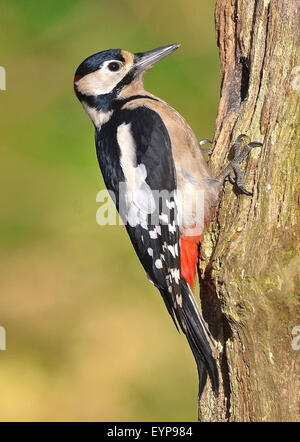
{"x": 197, "y": 335}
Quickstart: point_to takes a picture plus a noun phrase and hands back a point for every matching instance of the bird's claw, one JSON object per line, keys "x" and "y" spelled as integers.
{"x": 202, "y": 142}
{"x": 233, "y": 170}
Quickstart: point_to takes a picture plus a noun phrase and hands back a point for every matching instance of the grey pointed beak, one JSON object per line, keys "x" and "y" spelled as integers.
{"x": 145, "y": 60}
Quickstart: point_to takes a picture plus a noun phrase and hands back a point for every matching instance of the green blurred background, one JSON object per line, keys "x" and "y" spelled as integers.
{"x": 88, "y": 338}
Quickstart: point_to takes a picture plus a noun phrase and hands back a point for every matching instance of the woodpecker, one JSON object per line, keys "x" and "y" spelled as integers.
{"x": 152, "y": 162}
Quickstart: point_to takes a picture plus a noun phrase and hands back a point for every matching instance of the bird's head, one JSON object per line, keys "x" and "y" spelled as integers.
{"x": 103, "y": 76}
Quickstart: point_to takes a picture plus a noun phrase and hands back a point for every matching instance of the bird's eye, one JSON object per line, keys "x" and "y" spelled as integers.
{"x": 114, "y": 67}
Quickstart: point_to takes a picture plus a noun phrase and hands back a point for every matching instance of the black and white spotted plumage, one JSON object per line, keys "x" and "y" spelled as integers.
{"x": 157, "y": 245}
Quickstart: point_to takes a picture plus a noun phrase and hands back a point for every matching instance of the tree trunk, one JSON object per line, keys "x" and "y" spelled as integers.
{"x": 249, "y": 269}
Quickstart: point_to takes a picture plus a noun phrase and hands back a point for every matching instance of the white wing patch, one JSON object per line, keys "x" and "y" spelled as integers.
{"x": 139, "y": 198}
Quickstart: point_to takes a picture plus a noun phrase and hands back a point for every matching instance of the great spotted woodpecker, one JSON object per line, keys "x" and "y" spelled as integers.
{"x": 144, "y": 144}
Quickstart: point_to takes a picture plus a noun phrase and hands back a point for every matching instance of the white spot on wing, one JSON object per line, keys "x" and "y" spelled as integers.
{"x": 153, "y": 234}
{"x": 172, "y": 250}
{"x": 179, "y": 300}
{"x": 164, "y": 218}
{"x": 150, "y": 251}
{"x": 172, "y": 227}
{"x": 176, "y": 249}
{"x": 170, "y": 204}
{"x": 158, "y": 264}
{"x": 175, "y": 275}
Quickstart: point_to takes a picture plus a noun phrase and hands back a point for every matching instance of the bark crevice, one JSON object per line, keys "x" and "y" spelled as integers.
{"x": 249, "y": 264}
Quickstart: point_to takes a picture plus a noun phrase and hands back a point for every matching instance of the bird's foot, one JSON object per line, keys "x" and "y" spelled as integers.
{"x": 202, "y": 142}
{"x": 233, "y": 170}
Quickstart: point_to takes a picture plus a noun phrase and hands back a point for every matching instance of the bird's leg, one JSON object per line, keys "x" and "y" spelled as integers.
{"x": 233, "y": 170}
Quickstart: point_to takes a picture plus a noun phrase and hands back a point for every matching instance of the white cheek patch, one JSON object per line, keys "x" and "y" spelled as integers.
{"x": 97, "y": 83}
{"x": 101, "y": 81}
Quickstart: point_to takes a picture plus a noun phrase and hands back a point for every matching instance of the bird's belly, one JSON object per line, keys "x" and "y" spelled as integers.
{"x": 192, "y": 209}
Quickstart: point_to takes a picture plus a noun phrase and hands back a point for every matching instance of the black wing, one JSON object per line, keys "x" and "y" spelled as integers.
{"x": 156, "y": 241}
{"x": 155, "y": 236}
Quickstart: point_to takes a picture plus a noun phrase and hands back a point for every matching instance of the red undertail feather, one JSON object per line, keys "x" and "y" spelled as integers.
{"x": 189, "y": 258}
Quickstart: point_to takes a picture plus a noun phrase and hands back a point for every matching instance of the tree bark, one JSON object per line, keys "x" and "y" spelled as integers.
{"x": 249, "y": 269}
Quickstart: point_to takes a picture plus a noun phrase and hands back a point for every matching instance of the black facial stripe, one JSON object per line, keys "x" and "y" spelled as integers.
{"x": 99, "y": 102}
{"x": 104, "y": 101}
